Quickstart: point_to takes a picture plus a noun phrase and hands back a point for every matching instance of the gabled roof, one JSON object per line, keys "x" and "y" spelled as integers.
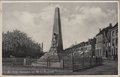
{"x": 116, "y": 25}
{"x": 104, "y": 30}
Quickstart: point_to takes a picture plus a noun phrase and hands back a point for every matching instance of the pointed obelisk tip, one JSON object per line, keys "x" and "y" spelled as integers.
{"x": 57, "y": 8}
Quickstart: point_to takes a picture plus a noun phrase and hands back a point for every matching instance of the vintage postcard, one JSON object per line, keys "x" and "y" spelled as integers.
{"x": 59, "y": 38}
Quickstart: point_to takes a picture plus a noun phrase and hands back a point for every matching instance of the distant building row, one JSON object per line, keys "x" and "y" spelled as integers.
{"x": 104, "y": 44}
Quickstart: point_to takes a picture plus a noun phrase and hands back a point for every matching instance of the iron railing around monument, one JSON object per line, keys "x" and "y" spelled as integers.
{"x": 72, "y": 63}
{"x": 17, "y": 61}
{"x": 86, "y": 62}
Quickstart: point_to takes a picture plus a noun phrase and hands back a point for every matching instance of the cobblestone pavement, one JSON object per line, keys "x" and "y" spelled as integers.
{"x": 108, "y": 68}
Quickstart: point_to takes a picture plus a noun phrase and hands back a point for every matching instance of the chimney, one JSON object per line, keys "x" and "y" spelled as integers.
{"x": 100, "y": 30}
{"x": 42, "y": 47}
{"x": 75, "y": 42}
{"x": 110, "y": 24}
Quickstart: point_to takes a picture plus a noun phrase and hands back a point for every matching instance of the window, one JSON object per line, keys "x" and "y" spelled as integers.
{"x": 112, "y": 42}
{"x": 112, "y": 51}
{"x": 116, "y": 51}
{"x": 116, "y": 41}
{"x": 113, "y": 33}
{"x": 116, "y": 31}
{"x": 108, "y": 44}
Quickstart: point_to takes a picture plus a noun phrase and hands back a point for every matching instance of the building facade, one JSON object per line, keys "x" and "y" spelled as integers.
{"x": 114, "y": 42}
{"x": 86, "y": 49}
{"x": 92, "y": 43}
{"x": 99, "y": 44}
{"x": 106, "y": 41}
{"x": 104, "y": 44}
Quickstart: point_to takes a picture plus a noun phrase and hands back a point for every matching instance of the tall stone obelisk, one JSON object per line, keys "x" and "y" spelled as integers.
{"x": 56, "y": 49}
{"x": 57, "y": 43}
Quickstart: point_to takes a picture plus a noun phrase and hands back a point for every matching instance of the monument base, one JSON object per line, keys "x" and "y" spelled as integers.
{"x": 49, "y": 59}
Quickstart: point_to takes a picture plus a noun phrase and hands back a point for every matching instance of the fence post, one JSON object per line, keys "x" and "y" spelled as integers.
{"x": 96, "y": 61}
{"x": 24, "y": 62}
{"x": 90, "y": 61}
{"x": 100, "y": 61}
{"x": 83, "y": 62}
{"x": 47, "y": 62}
{"x": 62, "y": 63}
{"x": 72, "y": 62}
{"x": 13, "y": 61}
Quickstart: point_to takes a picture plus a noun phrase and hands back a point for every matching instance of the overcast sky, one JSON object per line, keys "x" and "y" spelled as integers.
{"x": 79, "y": 21}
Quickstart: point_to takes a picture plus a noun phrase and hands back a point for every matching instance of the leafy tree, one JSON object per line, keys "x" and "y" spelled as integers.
{"x": 18, "y": 44}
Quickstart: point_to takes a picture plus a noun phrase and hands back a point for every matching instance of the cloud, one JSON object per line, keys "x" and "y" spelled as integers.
{"x": 24, "y": 17}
